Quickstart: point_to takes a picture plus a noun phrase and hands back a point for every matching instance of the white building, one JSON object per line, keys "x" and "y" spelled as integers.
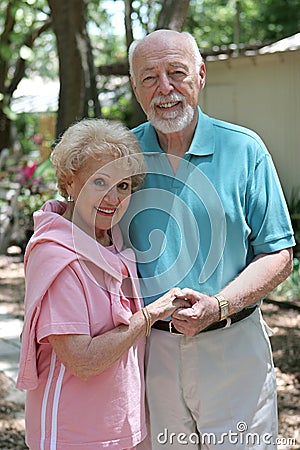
{"x": 261, "y": 90}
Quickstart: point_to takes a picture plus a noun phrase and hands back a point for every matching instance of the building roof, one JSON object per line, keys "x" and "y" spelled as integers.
{"x": 290, "y": 43}
{"x": 284, "y": 45}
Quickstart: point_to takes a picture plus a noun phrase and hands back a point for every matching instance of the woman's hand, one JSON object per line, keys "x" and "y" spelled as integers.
{"x": 86, "y": 356}
{"x": 203, "y": 311}
{"x": 167, "y": 304}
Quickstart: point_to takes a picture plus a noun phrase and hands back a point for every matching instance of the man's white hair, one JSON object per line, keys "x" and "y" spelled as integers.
{"x": 194, "y": 47}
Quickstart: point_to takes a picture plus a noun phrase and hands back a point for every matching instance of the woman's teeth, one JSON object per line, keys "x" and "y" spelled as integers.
{"x": 106, "y": 210}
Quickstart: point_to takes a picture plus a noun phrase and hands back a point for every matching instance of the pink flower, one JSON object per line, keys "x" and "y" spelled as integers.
{"x": 37, "y": 139}
{"x": 28, "y": 170}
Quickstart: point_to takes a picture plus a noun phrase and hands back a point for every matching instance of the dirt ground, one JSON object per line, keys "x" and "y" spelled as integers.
{"x": 284, "y": 320}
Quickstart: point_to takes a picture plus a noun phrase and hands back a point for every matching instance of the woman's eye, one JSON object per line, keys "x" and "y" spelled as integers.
{"x": 124, "y": 186}
{"x": 99, "y": 182}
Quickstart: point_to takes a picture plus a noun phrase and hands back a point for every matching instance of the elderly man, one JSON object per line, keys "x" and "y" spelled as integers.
{"x": 211, "y": 218}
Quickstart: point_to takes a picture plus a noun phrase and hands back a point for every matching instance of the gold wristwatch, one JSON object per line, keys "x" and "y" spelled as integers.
{"x": 223, "y": 306}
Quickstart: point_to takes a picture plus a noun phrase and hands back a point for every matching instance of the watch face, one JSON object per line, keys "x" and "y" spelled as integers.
{"x": 223, "y": 305}
{"x": 224, "y": 309}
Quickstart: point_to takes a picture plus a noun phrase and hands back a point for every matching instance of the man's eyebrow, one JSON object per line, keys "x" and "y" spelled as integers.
{"x": 148, "y": 69}
{"x": 179, "y": 64}
{"x": 171, "y": 64}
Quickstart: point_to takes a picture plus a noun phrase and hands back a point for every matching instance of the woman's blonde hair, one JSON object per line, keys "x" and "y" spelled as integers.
{"x": 96, "y": 138}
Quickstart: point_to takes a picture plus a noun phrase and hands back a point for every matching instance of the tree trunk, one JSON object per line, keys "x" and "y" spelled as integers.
{"x": 5, "y": 127}
{"x": 5, "y": 123}
{"x": 91, "y": 91}
{"x": 173, "y": 14}
{"x": 76, "y": 80}
{"x": 137, "y": 114}
{"x": 10, "y": 76}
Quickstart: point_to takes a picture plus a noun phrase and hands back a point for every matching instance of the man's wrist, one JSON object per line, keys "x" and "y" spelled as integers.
{"x": 223, "y": 306}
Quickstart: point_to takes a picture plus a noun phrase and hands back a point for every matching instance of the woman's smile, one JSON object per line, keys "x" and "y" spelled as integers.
{"x": 106, "y": 211}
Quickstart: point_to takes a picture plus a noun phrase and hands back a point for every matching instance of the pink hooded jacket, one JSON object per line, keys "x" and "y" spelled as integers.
{"x": 58, "y": 243}
{"x": 108, "y": 280}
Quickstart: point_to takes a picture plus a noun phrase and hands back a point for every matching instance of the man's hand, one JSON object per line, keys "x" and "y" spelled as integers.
{"x": 204, "y": 311}
{"x": 166, "y": 305}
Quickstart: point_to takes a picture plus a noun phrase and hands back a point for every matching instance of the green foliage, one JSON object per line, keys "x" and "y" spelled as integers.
{"x": 45, "y": 60}
{"x": 289, "y": 290}
{"x": 115, "y": 99}
{"x": 28, "y": 203}
{"x": 145, "y": 15}
{"x": 108, "y": 43}
{"x": 212, "y": 22}
{"x": 294, "y": 202}
{"x": 294, "y": 209}
{"x": 27, "y": 126}
{"x": 37, "y": 186}
{"x": 35, "y": 176}
{"x": 25, "y": 17}
{"x": 281, "y": 18}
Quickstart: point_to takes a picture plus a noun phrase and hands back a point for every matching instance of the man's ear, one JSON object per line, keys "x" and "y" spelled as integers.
{"x": 133, "y": 85}
{"x": 202, "y": 75}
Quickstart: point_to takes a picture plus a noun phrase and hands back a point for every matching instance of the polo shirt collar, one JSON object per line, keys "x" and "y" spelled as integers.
{"x": 203, "y": 142}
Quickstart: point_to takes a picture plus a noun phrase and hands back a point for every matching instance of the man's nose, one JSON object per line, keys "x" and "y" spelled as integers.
{"x": 165, "y": 86}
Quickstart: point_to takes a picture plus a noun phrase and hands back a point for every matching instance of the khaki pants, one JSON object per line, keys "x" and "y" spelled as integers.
{"x": 216, "y": 390}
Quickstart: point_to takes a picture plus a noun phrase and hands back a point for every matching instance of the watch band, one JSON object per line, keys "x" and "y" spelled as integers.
{"x": 223, "y": 306}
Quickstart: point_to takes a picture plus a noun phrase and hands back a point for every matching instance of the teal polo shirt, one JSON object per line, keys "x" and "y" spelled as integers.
{"x": 199, "y": 228}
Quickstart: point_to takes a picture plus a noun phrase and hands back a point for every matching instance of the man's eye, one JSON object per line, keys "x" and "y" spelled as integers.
{"x": 148, "y": 80}
{"x": 178, "y": 74}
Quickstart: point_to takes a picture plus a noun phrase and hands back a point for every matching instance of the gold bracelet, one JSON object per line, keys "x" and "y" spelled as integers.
{"x": 148, "y": 319}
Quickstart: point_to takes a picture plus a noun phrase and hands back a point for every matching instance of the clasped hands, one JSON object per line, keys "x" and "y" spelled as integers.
{"x": 201, "y": 311}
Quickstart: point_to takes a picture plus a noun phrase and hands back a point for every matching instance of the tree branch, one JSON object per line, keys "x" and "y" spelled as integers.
{"x": 21, "y": 63}
{"x": 128, "y": 24}
{"x": 117, "y": 68}
{"x": 4, "y": 41}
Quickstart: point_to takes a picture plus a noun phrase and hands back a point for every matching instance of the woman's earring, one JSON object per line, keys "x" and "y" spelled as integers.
{"x": 70, "y": 199}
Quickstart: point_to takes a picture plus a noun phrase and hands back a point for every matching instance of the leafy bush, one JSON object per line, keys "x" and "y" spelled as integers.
{"x": 28, "y": 166}
{"x": 38, "y": 185}
{"x": 294, "y": 209}
{"x": 289, "y": 290}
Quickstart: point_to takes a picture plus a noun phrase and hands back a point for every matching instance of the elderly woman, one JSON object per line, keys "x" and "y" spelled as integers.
{"x": 85, "y": 326}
